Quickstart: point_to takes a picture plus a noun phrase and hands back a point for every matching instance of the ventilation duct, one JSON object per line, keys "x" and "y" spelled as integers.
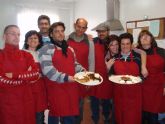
{"x": 113, "y": 14}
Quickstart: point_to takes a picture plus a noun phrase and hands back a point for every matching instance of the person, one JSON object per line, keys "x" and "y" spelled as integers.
{"x": 43, "y": 25}
{"x": 62, "y": 91}
{"x": 154, "y": 85}
{"x": 112, "y": 49}
{"x": 17, "y": 72}
{"x": 102, "y": 93}
{"x": 33, "y": 42}
{"x": 84, "y": 50}
{"x": 127, "y": 98}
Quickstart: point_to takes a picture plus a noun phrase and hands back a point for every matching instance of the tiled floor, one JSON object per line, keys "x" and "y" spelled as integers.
{"x": 86, "y": 115}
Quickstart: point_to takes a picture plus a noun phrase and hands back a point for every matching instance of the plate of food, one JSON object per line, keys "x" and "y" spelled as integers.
{"x": 125, "y": 79}
{"x": 88, "y": 78}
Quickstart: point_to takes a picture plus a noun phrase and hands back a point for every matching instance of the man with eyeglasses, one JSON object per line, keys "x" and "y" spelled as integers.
{"x": 17, "y": 72}
{"x": 84, "y": 49}
{"x": 103, "y": 92}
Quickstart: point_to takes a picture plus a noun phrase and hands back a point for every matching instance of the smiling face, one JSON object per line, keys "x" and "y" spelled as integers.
{"x": 126, "y": 45}
{"x": 33, "y": 42}
{"x": 58, "y": 33}
{"x": 113, "y": 47}
{"x": 102, "y": 34}
{"x": 44, "y": 25}
{"x": 80, "y": 27}
{"x": 12, "y": 36}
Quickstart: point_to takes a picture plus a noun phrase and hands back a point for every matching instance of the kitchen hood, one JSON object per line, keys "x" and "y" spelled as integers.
{"x": 113, "y": 14}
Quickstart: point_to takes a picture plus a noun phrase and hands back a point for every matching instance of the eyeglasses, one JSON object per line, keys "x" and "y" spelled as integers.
{"x": 79, "y": 27}
{"x": 13, "y": 33}
{"x": 58, "y": 31}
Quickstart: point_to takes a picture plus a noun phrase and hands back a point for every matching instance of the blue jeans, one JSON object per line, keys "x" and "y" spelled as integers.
{"x": 150, "y": 118}
{"x": 106, "y": 106}
{"x": 40, "y": 118}
{"x": 62, "y": 120}
{"x": 79, "y": 118}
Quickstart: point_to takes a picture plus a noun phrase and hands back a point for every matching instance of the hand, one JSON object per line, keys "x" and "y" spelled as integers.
{"x": 30, "y": 68}
{"x": 144, "y": 72}
{"x": 134, "y": 46}
{"x": 164, "y": 91}
{"x": 110, "y": 63}
{"x": 90, "y": 37}
{"x": 71, "y": 79}
{"x": 9, "y": 75}
{"x": 37, "y": 79}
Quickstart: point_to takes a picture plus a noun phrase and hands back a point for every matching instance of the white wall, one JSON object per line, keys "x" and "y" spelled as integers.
{"x": 92, "y": 10}
{"x": 10, "y": 9}
{"x": 136, "y": 10}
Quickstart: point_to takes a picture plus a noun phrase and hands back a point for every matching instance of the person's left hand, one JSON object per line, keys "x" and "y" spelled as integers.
{"x": 164, "y": 91}
{"x": 30, "y": 68}
{"x": 9, "y": 75}
{"x": 90, "y": 37}
{"x": 144, "y": 72}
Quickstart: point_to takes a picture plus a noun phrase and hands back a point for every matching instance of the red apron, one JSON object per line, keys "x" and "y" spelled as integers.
{"x": 63, "y": 99}
{"x": 39, "y": 94}
{"x": 104, "y": 90}
{"x": 127, "y": 98}
{"x": 82, "y": 51}
{"x": 153, "y": 85}
{"x": 16, "y": 102}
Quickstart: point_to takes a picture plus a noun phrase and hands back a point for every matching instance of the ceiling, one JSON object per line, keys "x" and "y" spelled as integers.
{"x": 39, "y": 1}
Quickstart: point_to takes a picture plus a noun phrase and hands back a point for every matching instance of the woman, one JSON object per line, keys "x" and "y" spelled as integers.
{"x": 33, "y": 41}
{"x": 59, "y": 65}
{"x": 154, "y": 85}
{"x": 127, "y": 98}
{"x": 112, "y": 50}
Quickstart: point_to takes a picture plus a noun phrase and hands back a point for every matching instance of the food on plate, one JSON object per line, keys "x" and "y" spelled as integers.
{"x": 126, "y": 78}
{"x": 82, "y": 79}
{"x": 88, "y": 77}
{"x": 94, "y": 76}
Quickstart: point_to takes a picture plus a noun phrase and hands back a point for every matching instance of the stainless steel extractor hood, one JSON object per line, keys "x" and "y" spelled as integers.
{"x": 113, "y": 14}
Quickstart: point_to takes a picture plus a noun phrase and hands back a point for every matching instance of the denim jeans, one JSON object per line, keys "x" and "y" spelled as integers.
{"x": 95, "y": 107}
{"x": 40, "y": 118}
{"x": 62, "y": 120}
{"x": 150, "y": 118}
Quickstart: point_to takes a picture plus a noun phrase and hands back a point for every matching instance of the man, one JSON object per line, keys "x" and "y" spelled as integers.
{"x": 84, "y": 49}
{"x": 103, "y": 92}
{"x": 59, "y": 65}
{"x": 17, "y": 71}
{"x": 43, "y": 25}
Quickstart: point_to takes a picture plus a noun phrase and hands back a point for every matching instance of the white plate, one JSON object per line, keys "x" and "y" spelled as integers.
{"x": 91, "y": 82}
{"x": 117, "y": 79}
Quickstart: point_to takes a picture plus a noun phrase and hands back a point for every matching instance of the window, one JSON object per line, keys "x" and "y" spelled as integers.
{"x": 27, "y": 20}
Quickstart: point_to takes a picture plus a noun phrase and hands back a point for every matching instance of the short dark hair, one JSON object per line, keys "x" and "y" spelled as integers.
{"x": 9, "y": 26}
{"x": 146, "y": 32}
{"x": 126, "y": 36}
{"x": 29, "y": 34}
{"x": 54, "y": 25}
{"x": 43, "y": 17}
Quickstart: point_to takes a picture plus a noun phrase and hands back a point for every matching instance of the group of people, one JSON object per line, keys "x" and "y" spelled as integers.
{"x": 41, "y": 76}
